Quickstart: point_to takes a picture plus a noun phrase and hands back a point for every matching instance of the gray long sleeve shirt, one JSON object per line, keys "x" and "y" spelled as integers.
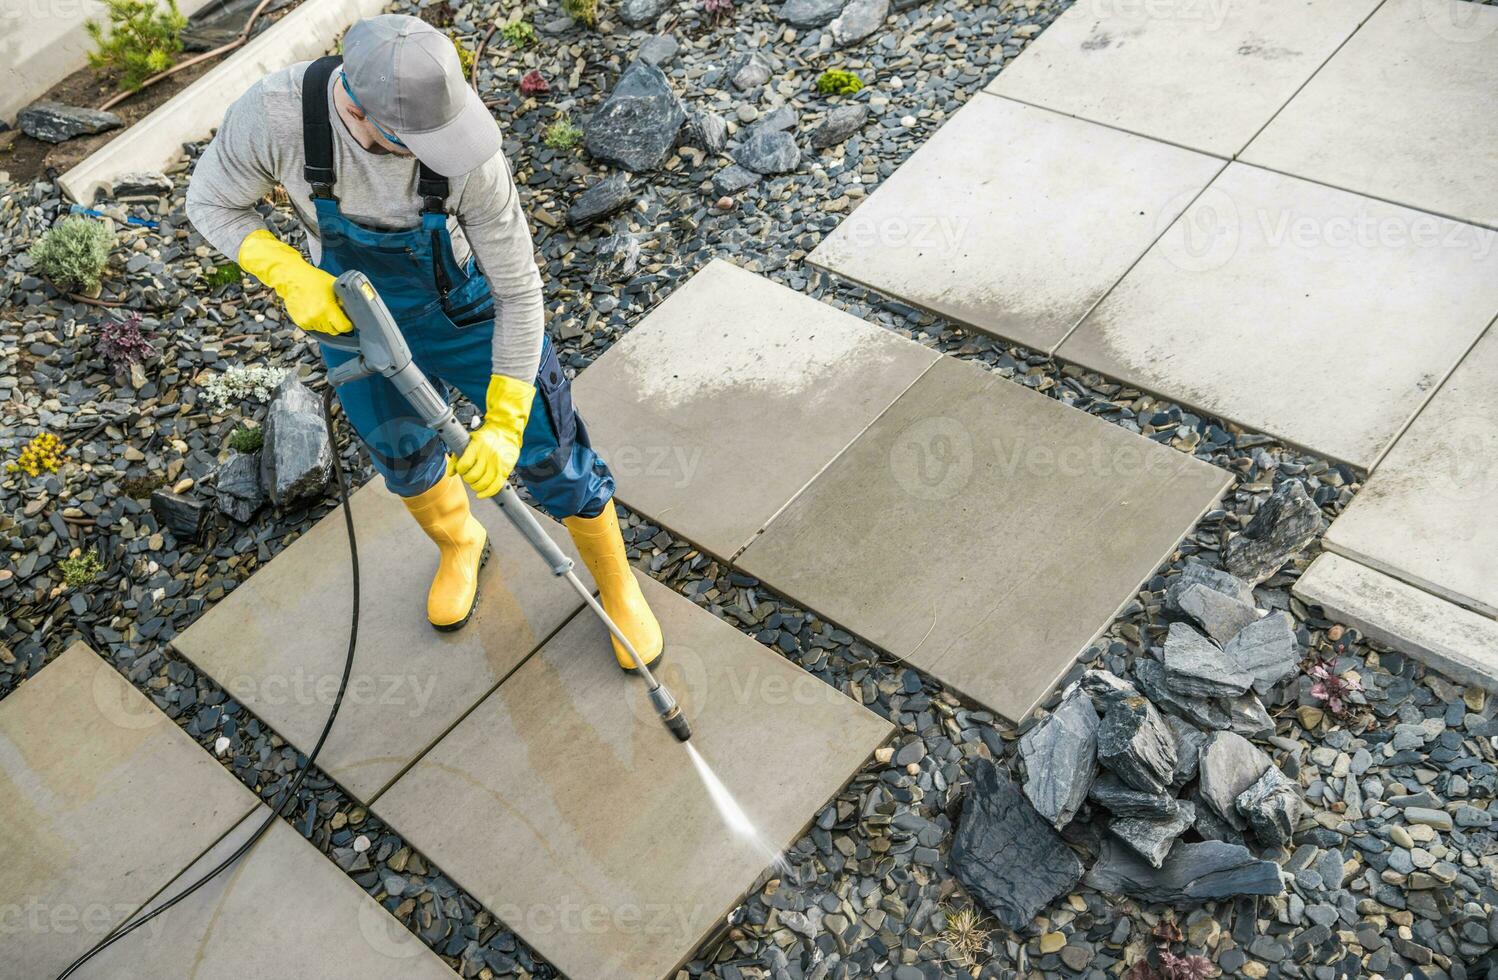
{"x": 259, "y": 145}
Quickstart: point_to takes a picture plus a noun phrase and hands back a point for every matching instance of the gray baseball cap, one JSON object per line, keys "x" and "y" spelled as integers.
{"x": 406, "y": 76}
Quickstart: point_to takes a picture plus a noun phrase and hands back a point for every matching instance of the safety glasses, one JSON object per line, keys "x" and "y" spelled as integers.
{"x": 343, "y": 76}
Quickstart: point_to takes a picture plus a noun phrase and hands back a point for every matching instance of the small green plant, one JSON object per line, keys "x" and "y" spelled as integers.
{"x": 520, "y": 34}
{"x": 73, "y": 252}
{"x": 81, "y": 568}
{"x": 43, "y": 454}
{"x": 562, "y": 134}
{"x": 228, "y": 274}
{"x": 465, "y": 55}
{"x": 245, "y": 439}
{"x": 835, "y": 81}
{"x": 585, "y": 12}
{"x": 141, "y": 41}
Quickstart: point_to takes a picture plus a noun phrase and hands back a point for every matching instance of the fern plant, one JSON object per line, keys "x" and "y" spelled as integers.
{"x": 73, "y": 252}
{"x": 141, "y": 41}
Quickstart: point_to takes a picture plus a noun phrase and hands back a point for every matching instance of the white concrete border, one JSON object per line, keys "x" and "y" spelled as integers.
{"x": 156, "y": 141}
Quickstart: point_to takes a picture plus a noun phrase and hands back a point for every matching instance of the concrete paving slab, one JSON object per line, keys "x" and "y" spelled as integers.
{"x": 1407, "y": 111}
{"x": 1459, "y": 643}
{"x": 1426, "y": 515}
{"x": 103, "y": 800}
{"x": 600, "y": 844}
{"x": 277, "y": 643}
{"x": 1015, "y": 220}
{"x": 1287, "y": 306}
{"x": 984, "y": 533}
{"x": 731, "y": 396}
{"x": 1202, "y": 75}
{"x": 284, "y": 910}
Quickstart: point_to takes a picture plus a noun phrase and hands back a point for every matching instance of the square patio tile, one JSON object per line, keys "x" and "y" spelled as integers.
{"x": 1426, "y": 515}
{"x": 564, "y": 805}
{"x": 1406, "y": 111}
{"x": 1202, "y": 75}
{"x": 1319, "y": 316}
{"x": 1015, "y": 220}
{"x": 693, "y": 407}
{"x": 984, "y": 533}
{"x": 103, "y": 800}
{"x": 277, "y": 642}
{"x": 248, "y": 924}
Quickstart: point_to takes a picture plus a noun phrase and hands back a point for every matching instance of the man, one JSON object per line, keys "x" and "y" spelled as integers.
{"x": 426, "y": 207}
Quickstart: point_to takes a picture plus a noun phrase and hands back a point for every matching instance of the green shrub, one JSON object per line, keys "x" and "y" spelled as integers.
{"x": 228, "y": 274}
{"x": 519, "y": 34}
{"x": 585, "y": 12}
{"x": 73, "y": 252}
{"x": 562, "y": 134}
{"x": 141, "y": 41}
{"x": 81, "y": 569}
{"x": 837, "y": 82}
{"x": 245, "y": 439}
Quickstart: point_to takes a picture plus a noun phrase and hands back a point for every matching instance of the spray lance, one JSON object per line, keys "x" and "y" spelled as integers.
{"x": 382, "y": 350}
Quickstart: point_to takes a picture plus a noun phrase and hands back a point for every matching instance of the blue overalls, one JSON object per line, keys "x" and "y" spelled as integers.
{"x": 446, "y": 313}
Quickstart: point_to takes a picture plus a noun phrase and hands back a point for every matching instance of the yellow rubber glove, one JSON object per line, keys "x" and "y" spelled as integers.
{"x": 494, "y": 448}
{"x": 306, "y": 290}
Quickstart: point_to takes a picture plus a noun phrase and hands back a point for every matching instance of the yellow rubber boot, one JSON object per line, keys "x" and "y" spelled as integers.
{"x": 462, "y": 546}
{"x": 602, "y": 548}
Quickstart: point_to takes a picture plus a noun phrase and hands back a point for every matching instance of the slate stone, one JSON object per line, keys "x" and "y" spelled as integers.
{"x": 604, "y": 198}
{"x": 1267, "y": 649}
{"x": 1006, "y": 854}
{"x": 616, "y": 258}
{"x": 1208, "y": 714}
{"x": 1190, "y": 875}
{"x": 752, "y": 72}
{"x": 236, "y": 487}
{"x": 1271, "y": 806}
{"x": 706, "y": 130}
{"x": 53, "y": 122}
{"x": 1247, "y": 715}
{"x": 1208, "y": 824}
{"x": 839, "y": 124}
{"x": 1284, "y": 524}
{"x": 1195, "y": 667}
{"x": 1106, "y": 687}
{"x": 148, "y": 183}
{"x": 1230, "y": 764}
{"x": 1060, "y": 756}
{"x": 776, "y": 120}
{"x": 768, "y": 151}
{"x": 660, "y": 49}
{"x": 1189, "y": 743}
{"x": 1197, "y": 573}
{"x": 810, "y": 13}
{"x": 1220, "y": 615}
{"x": 183, "y": 515}
{"x": 859, "y": 19}
{"x": 296, "y": 460}
{"x": 1134, "y": 741}
{"x": 1124, "y": 800}
{"x": 636, "y": 126}
{"x": 638, "y": 13}
{"x": 1152, "y": 838}
{"x": 733, "y": 178}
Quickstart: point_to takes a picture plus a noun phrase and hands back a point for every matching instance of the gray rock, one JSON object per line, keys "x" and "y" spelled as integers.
{"x": 636, "y": 126}
{"x": 638, "y": 13}
{"x": 1271, "y": 806}
{"x": 1151, "y": 838}
{"x": 733, "y": 178}
{"x": 236, "y": 487}
{"x": 1123, "y": 800}
{"x": 660, "y": 49}
{"x": 1060, "y": 756}
{"x": 1195, "y": 667}
{"x": 1267, "y": 649}
{"x": 1208, "y": 824}
{"x": 616, "y": 258}
{"x": 810, "y": 13}
{"x": 296, "y": 461}
{"x": 1191, "y": 873}
{"x": 1006, "y": 854}
{"x": 859, "y": 19}
{"x": 1105, "y": 687}
{"x": 184, "y": 516}
{"x": 768, "y": 151}
{"x": 1247, "y": 716}
{"x": 839, "y": 124}
{"x": 604, "y": 198}
{"x": 1285, "y": 523}
{"x": 752, "y": 72}
{"x": 1189, "y": 742}
{"x": 1220, "y": 615}
{"x": 144, "y": 183}
{"x": 1134, "y": 741}
{"x": 53, "y": 122}
{"x": 706, "y": 130}
{"x": 780, "y": 119}
{"x": 1196, "y": 573}
{"x": 1206, "y": 714}
{"x": 1230, "y": 764}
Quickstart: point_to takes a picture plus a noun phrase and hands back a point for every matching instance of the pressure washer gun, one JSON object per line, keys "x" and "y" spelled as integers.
{"x": 382, "y": 350}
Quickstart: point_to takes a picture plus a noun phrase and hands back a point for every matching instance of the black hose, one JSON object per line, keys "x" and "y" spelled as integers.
{"x": 125, "y": 928}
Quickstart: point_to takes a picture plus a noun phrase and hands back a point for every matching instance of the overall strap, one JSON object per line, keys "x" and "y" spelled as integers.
{"x": 317, "y": 129}
{"x": 432, "y": 187}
